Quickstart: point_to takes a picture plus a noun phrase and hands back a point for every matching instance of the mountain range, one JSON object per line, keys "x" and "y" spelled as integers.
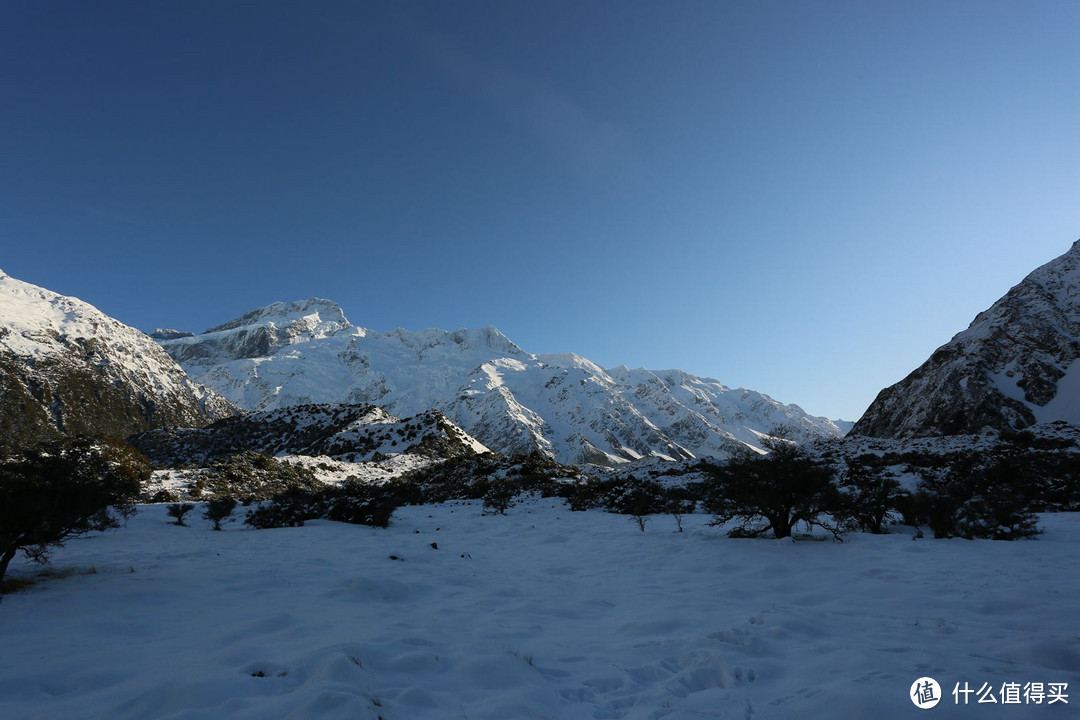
{"x": 511, "y": 400}
{"x": 67, "y": 368}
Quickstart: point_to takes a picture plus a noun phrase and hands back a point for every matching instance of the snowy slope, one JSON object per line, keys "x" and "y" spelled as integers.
{"x": 1014, "y": 366}
{"x": 541, "y": 613}
{"x": 509, "y": 399}
{"x": 67, "y": 367}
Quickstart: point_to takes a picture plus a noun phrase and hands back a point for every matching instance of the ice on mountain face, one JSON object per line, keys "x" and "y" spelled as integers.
{"x": 1012, "y": 367}
{"x": 1065, "y": 405}
{"x": 510, "y": 400}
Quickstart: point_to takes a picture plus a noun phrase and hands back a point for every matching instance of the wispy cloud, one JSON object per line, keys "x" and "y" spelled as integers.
{"x": 590, "y": 145}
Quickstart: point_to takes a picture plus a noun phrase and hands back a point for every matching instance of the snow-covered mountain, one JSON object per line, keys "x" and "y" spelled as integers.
{"x": 1015, "y": 365}
{"x": 509, "y": 399}
{"x": 66, "y": 367}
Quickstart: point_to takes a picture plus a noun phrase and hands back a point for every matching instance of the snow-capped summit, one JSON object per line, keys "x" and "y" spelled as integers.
{"x": 509, "y": 399}
{"x": 314, "y": 317}
{"x": 1016, "y": 365}
{"x": 66, "y": 367}
{"x": 262, "y": 332}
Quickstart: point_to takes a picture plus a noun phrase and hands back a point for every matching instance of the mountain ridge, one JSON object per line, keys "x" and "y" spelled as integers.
{"x": 350, "y": 433}
{"x": 1014, "y": 366}
{"x": 513, "y": 401}
{"x": 67, "y": 368}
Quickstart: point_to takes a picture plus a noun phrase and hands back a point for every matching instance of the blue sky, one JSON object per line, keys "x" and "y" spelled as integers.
{"x": 801, "y": 198}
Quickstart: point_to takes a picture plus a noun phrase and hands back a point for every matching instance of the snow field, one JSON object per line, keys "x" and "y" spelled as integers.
{"x": 542, "y": 613}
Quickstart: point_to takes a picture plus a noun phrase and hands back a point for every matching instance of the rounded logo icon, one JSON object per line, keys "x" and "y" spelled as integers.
{"x": 925, "y": 693}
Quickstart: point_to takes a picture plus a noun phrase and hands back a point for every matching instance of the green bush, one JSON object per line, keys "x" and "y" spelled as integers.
{"x": 62, "y": 489}
{"x": 353, "y": 502}
{"x": 363, "y": 504}
{"x": 161, "y": 496}
{"x": 978, "y": 498}
{"x": 219, "y": 509}
{"x": 252, "y": 476}
{"x": 869, "y": 496}
{"x": 500, "y": 496}
{"x": 178, "y": 511}
{"x": 594, "y": 493}
{"x": 772, "y": 493}
{"x": 291, "y": 507}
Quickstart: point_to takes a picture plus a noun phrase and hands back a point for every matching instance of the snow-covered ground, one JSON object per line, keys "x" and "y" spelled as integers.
{"x": 542, "y": 613}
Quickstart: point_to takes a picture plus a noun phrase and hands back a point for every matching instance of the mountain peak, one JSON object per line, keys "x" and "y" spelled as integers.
{"x": 487, "y": 336}
{"x": 67, "y": 368}
{"x": 1014, "y": 366}
{"x": 312, "y": 311}
{"x": 571, "y": 360}
{"x": 261, "y": 332}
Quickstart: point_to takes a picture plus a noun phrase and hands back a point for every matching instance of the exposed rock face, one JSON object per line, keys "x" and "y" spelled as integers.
{"x": 168, "y": 334}
{"x": 67, "y": 368}
{"x": 1015, "y": 366}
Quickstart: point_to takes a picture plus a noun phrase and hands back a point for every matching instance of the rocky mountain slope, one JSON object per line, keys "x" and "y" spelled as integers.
{"x": 509, "y": 399}
{"x": 67, "y": 368}
{"x": 1015, "y": 365}
{"x": 349, "y": 433}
